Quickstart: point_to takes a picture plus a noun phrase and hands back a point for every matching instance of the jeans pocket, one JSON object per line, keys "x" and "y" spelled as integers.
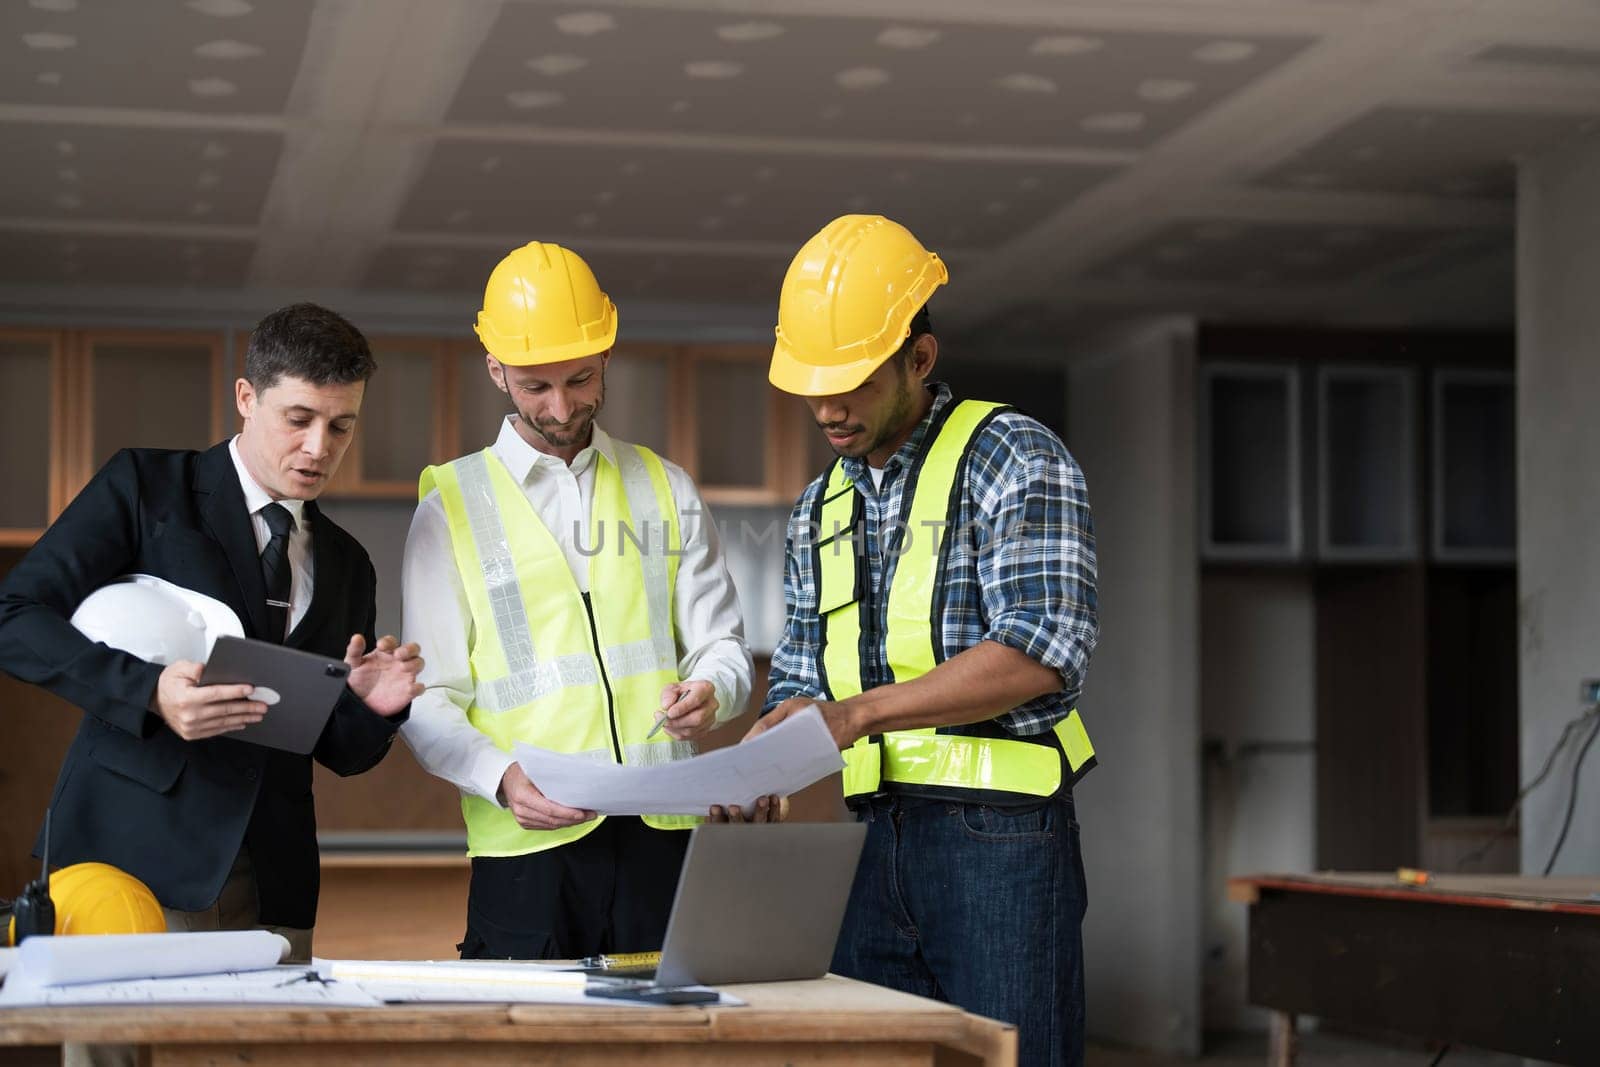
{"x": 988, "y": 823}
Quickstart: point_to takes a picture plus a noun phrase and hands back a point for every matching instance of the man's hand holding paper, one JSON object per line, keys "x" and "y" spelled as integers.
{"x": 752, "y": 777}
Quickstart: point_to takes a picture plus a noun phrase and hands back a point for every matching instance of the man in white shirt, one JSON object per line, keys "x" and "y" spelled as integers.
{"x": 572, "y": 594}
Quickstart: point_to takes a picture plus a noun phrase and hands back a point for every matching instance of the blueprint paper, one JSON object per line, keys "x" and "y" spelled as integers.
{"x": 62, "y": 961}
{"x": 784, "y": 760}
{"x": 278, "y": 985}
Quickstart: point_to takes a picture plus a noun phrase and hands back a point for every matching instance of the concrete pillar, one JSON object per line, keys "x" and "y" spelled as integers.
{"x": 1558, "y": 489}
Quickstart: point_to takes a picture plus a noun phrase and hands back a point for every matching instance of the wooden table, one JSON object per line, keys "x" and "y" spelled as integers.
{"x": 828, "y": 1021}
{"x": 1507, "y": 963}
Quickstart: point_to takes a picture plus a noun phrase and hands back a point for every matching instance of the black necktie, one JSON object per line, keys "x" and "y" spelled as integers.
{"x": 275, "y": 569}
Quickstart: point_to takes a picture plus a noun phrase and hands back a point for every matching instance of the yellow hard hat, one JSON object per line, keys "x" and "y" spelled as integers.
{"x": 847, "y": 303}
{"x": 97, "y": 898}
{"x": 543, "y": 305}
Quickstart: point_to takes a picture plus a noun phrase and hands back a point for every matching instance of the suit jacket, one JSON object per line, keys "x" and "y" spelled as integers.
{"x": 132, "y": 793}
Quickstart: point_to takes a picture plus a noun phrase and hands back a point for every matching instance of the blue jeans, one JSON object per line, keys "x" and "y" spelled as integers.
{"x": 978, "y": 906}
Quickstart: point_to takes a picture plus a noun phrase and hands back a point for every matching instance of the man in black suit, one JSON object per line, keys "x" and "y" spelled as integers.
{"x": 223, "y": 831}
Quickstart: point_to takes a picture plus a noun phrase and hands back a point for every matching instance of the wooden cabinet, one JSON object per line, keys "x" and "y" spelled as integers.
{"x": 1250, "y": 504}
{"x": 32, "y": 378}
{"x": 1367, "y": 500}
{"x": 1474, "y": 466}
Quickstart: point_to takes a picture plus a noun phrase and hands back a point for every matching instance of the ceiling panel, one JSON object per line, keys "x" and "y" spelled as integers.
{"x": 624, "y": 275}
{"x": 98, "y": 259}
{"x": 521, "y": 191}
{"x": 1227, "y": 253}
{"x": 175, "y": 55}
{"x": 1429, "y": 153}
{"x": 135, "y": 175}
{"x": 852, "y": 78}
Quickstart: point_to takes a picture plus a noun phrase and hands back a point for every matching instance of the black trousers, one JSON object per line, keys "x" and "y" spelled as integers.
{"x": 609, "y": 891}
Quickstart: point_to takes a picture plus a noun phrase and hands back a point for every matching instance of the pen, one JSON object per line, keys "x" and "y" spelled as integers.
{"x": 661, "y": 716}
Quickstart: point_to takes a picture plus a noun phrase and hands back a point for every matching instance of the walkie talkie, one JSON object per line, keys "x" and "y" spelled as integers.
{"x": 34, "y": 912}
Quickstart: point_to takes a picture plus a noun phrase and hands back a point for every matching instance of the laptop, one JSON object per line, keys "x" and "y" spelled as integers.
{"x": 756, "y": 902}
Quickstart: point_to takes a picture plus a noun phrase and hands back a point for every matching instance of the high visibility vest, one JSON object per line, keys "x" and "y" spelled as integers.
{"x": 552, "y": 666}
{"x": 979, "y": 761}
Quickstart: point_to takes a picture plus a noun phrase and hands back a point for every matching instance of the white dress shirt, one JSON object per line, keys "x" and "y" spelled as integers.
{"x": 300, "y": 569}
{"x": 705, "y": 607}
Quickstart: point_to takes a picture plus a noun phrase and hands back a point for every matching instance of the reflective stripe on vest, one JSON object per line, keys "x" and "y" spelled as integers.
{"x": 913, "y": 644}
{"x": 550, "y": 668}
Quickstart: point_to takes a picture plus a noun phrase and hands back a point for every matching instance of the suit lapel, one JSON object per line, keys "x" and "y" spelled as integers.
{"x": 229, "y": 525}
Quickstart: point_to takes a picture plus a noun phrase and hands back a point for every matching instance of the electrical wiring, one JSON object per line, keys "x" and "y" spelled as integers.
{"x": 1592, "y": 712}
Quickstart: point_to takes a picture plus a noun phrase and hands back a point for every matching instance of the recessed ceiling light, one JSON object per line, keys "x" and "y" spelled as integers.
{"x": 1164, "y": 90}
{"x": 67, "y": 174}
{"x": 713, "y": 69}
{"x": 1224, "y": 52}
{"x": 212, "y": 87}
{"x": 49, "y": 42}
{"x": 741, "y": 32}
{"x": 489, "y": 164}
{"x": 227, "y": 50}
{"x": 221, "y": 9}
{"x": 556, "y": 65}
{"x": 1114, "y": 122}
{"x": 678, "y": 107}
{"x": 907, "y": 37}
{"x": 207, "y": 179}
{"x": 859, "y": 78}
{"x": 213, "y": 151}
{"x": 66, "y": 148}
{"x": 48, "y": 77}
{"x": 1067, "y": 45}
{"x": 528, "y": 99}
{"x": 1026, "y": 83}
{"x": 59, "y": 6}
{"x": 585, "y": 23}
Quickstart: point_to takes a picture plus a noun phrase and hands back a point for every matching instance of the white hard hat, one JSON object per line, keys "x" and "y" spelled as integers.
{"x": 155, "y": 620}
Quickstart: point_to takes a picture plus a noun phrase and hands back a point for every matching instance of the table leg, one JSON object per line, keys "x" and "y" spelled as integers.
{"x": 1282, "y": 1044}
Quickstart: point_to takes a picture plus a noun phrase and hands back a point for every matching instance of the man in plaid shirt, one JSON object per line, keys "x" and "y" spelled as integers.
{"x": 956, "y": 709}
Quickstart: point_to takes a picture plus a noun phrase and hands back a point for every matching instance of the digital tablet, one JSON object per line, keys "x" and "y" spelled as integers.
{"x": 299, "y": 689}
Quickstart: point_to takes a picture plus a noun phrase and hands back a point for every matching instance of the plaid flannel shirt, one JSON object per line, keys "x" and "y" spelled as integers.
{"x": 1021, "y": 573}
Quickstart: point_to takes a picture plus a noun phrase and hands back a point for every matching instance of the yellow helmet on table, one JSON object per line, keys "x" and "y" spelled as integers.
{"x": 543, "y": 305}
{"x": 97, "y": 898}
{"x": 847, "y": 303}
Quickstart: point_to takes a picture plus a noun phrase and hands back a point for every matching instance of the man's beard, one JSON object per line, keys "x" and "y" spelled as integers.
{"x": 576, "y": 429}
